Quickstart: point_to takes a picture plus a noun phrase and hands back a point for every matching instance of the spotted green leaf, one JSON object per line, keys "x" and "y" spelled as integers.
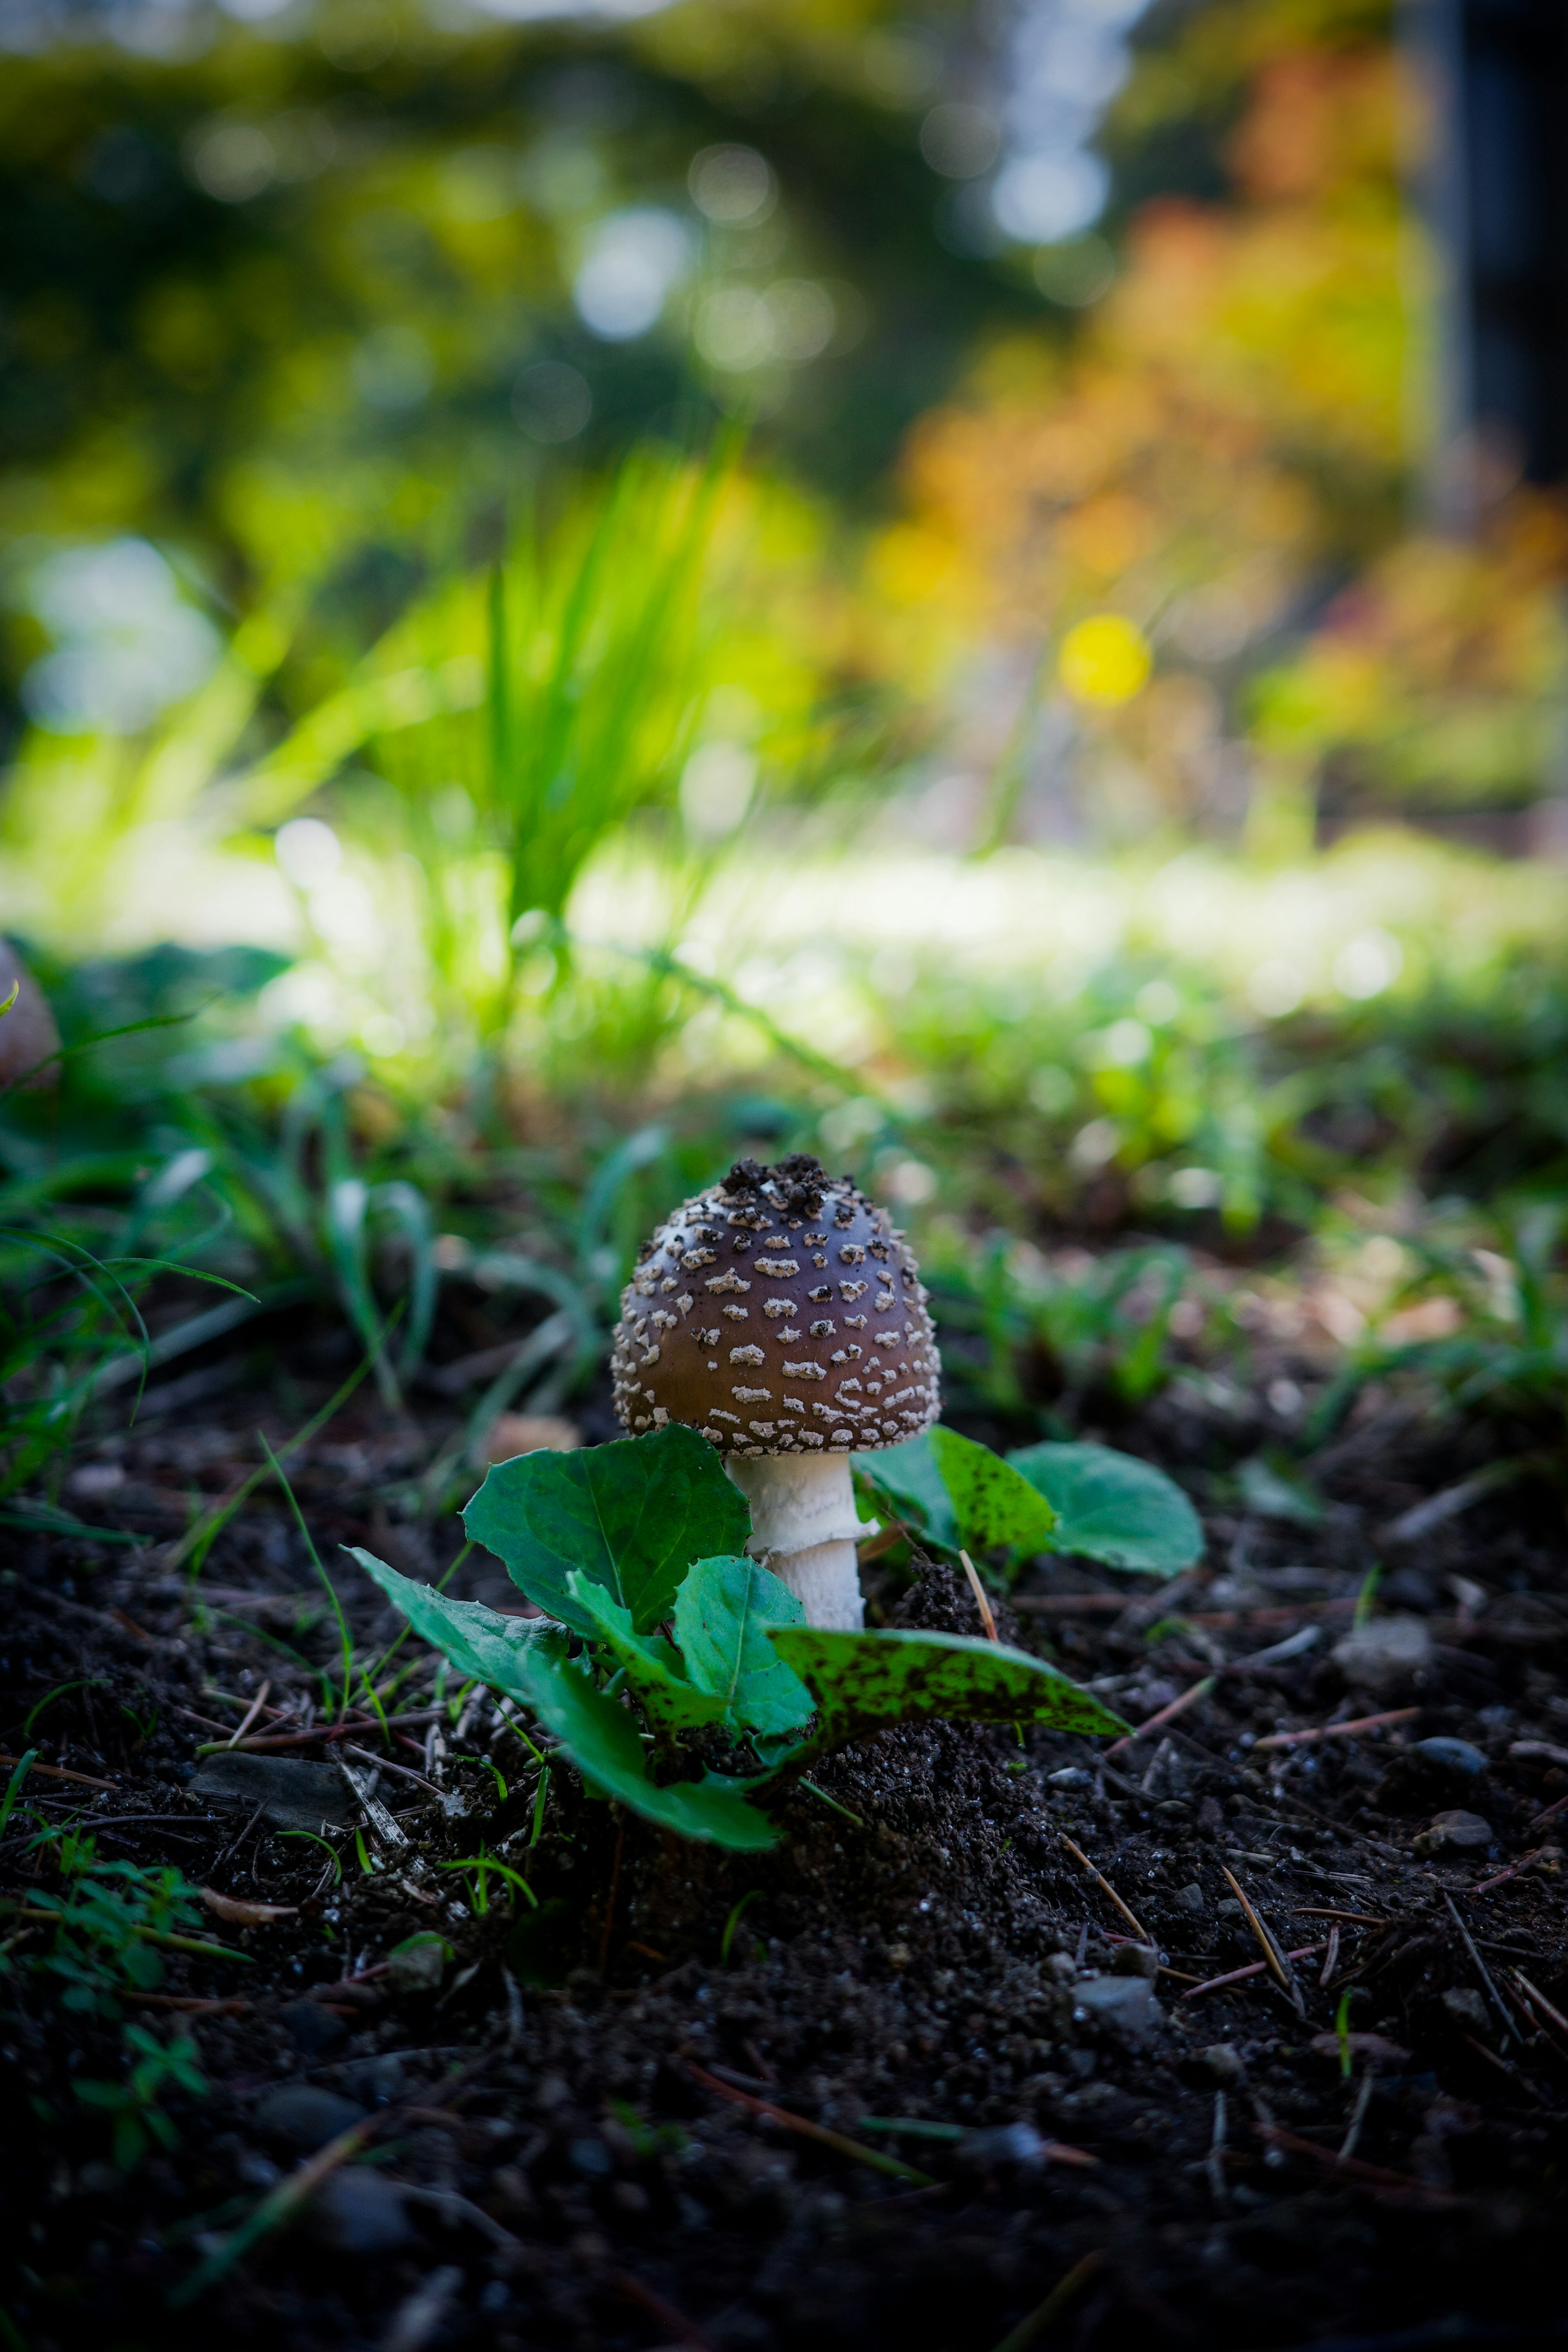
{"x": 862, "y": 1681}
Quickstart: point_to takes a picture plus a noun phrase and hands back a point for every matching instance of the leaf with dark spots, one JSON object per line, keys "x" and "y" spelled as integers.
{"x": 862, "y": 1681}
{"x": 993, "y": 1505}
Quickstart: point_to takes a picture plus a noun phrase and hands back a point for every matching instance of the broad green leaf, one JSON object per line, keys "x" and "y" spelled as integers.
{"x": 528, "y": 1663}
{"x": 862, "y": 1681}
{"x": 992, "y": 1503}
{"x": 1114, "y": 1508}
{"x": 481, "y": 1642}
{"x": 600, "y": 1737}
{"x": 723, "y": 1614}
{"x": 906, "y": 1477}
{"x": 632, "y": 1515}
{"x": 1279, "y": 1491}
{"x": 664, "y": 1691}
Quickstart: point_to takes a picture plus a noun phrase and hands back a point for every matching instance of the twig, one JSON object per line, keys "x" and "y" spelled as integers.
{"x": 891, "y": 1532}
{"x": 1542, "y": 2002}
{"x": 1190, "y": 1697}
{"x": 385, "y": 1764}
{"x": 449, "y": 2202}
{"x": 1514, "y": 1870}
{"x": 1213, "y": 2163}
{"x": 1337, "y": 1731}
{"x": 1105, "y": 1887}
{"x": 610, "y": 1905}
{"x": 1253, "y": 1969}
{"x": 251, "y": 1712}
{"x": 675, "y": 2324}
{"x": 807, "y": 2130}
{"x": 982, "y": 1599}
{"x": 1496, "y": 1997}
{"x": 58, "y": 1772}
{"x": 1373, "y": 2174}
{"x": 1550, "y": 1814}
{"x": 1333, "y": 1961}
{"x": 1271, "y": 1952}
{"x": 386, "y": 1829}
{"x": 260, "y": 1743}
{"x": 1033, "y": 2325}
{"x": 1326, "y": 1911}
{"x": 235, "y": 1843}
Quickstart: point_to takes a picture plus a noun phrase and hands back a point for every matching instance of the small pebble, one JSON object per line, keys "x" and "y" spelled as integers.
{"x": 301, "y": 2116}
{"x": 314, "y": 2030}
{"x": 1467, "y": 2009}
{"x": 1135, "y": 1960}
{"x": 1386, "y": 1652}
{"x": 1452, "y": 1755}
{"x": 1224, "y": 2062}
{"x": 355, "y": 2211}
{"x": 1189, "y": 1898}
{"x": 1465, "y": 1832}
{"x": 1017, "y": 2143}
{"x": 1122, "y": 2005}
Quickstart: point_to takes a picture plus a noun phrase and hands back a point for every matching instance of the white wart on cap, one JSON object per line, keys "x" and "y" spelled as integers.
{"x": 782, "y": 1315}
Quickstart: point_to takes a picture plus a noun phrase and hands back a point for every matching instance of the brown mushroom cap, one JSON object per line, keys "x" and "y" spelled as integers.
{"x": 779, "y": 1313}
{"x": 28, "y": 1037}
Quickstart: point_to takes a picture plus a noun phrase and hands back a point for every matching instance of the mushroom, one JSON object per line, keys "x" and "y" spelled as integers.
{"x": 782, "y": 1316}
{"x": 28, "y": 1037}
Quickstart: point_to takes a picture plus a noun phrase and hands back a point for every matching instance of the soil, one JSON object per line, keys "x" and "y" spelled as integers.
{"x": 590, "y": 2130}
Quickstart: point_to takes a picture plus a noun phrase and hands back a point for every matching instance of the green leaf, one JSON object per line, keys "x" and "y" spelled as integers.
{"x": 631, "y": 1514}
{"x": 991, "y": 1503}
{"x": 1277, "y": 1491}
{"x": 654, "y": 1671}
{"x": 905, "y": 1480}
{"x": 861, "y": 1681}
{"x": 601, "y": 1739}
{"x": 479, "y": 1641}
{"x": 1114, "y": 1508}
{"x": 723, "y": 1614}
{"x": 528, "y": 1663}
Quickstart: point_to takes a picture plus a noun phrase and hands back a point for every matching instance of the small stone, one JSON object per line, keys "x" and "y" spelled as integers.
{"x": 314, "y": 2030}
{"x": 1229, "y": 1908}
{"x": 418, "y": 1963}
{"x": 1119, "y": 2005}
{"x": 1224, "y": 2062}
{"x": 1189, "y": 1898}
{"x": 301, "y": 2116}
{"x": 1388, "y": 1651}
{"x": 1465, "y": 1832}
{"x": 1000, "y": 2143}
{"x": 293, "y": 1795}
{"x": 355, "y": 2211}
{"x": 376, "y": 2081}
{"x": 1455, "y": 1756}
{"x": 1135, "y": 1960}
{"x": 1467, "y": 2009}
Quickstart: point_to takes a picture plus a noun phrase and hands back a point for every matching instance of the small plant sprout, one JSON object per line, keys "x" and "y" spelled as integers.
{"x": 782, "y": 1316}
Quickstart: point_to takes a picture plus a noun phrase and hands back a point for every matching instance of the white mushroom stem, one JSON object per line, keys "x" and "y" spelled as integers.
{"x": 804, "y": 1529}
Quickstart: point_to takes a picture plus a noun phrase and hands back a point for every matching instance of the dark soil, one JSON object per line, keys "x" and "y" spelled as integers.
{"x": 568, "y": 2150}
